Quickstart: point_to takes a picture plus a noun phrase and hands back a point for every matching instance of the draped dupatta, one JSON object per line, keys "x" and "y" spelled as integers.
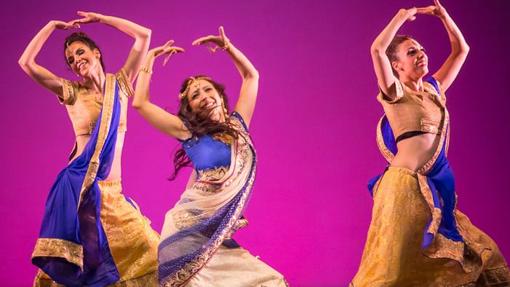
{"x": 207, "y": 214}
{"x": 72, "y": 247}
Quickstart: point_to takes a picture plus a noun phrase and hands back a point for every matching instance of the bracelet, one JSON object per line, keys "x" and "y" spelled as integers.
{"x": 146, "y": 70}
{"x": 226, "y": 45}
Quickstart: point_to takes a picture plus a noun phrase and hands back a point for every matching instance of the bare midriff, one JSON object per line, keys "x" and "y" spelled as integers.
{"x": 115, "y": 172}
{"x": 415, "y": 151}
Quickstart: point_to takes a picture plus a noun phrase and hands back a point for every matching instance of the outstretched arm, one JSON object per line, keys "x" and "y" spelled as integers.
{"x": 459, "y": 48}
{"x": 249, "y": 87}
{"x": 141, "y": 35}
{"x": 156, "y": 116}
{"x": 382, "y": 65}
{"x": 27, "y": 60}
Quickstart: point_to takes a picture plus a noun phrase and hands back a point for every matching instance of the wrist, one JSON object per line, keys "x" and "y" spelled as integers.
{"x": 402, "y": 16}
{"x": 51, "y": 25}
{"x": 227, "y": 46}
{"x": 403, "y": 13}
{"x": 102, "y": 18}
{"x": 146, "y": 69}
{"x": 444, "y": 16}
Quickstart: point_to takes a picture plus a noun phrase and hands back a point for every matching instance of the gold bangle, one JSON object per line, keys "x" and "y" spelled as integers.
{"x": 226, "y": 46}
{"x": 146, "y": 70}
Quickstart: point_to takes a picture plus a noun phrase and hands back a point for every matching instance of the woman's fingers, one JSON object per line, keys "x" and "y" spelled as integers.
{"x": 429, "y": 10}
{"x": 205, "y": 39}
{"x": 221, "y": 31}
{"x": 171, "y": 51}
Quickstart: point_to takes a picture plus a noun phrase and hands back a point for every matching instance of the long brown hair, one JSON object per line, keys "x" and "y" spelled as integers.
{"x": 199, "y": 125}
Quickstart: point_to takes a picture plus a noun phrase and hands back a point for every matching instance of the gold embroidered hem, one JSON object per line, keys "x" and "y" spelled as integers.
{"x": 148, "y": 280}
{"x": 133, "y": 243}
{"x": 52, "y": 247}
{"x": 393, "y": 255}
{"x": 498, "y": 277}
{"x": 236, "y": 267}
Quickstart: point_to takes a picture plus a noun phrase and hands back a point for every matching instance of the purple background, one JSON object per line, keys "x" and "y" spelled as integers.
{"x": 314, "y": 125}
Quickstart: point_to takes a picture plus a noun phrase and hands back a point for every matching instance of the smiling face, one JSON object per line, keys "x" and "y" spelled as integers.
{"x": 411, "y": 60}
{"x": 205, "y": 101}
{"x": 83, "y": 60}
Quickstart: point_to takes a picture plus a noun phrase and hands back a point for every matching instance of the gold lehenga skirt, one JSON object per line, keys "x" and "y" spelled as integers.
{"x": 393, "y": 255}
{"x": 133, "y": 243}
{"x": 236, "y": 267}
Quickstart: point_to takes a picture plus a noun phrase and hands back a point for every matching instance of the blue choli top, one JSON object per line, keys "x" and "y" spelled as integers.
{"x": 207, "y": 152}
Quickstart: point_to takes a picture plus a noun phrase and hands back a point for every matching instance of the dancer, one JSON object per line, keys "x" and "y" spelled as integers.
{"x": 196, "y": 248}
{"x": 417, "y": 237}
{"x": 91, "y": 234}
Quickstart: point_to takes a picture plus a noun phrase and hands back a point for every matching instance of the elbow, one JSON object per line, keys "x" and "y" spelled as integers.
{"x": 466, "y": 48}
{"x": 146, "y": 33}
{"x": 24, "y": 64}
{"x": 136, "y": 104}
{"x": 377, "y": 50}
{"x": 461, "y": 50}
{"x": 255, "y": 74}
{"x": 252, "y": 75}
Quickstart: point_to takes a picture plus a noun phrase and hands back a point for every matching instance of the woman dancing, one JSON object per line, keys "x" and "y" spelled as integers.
{"x": 196, "y": 248}
{"x": 91, "y": 234}
{"x": 417, "y": 237}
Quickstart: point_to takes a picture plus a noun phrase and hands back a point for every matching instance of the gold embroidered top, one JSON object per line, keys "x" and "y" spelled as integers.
{"x": 84, "y": 107}
{"x": 414, "y": 110}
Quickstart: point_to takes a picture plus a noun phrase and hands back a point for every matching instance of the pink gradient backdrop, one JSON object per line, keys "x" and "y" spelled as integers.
{"x": 314, "y": 125}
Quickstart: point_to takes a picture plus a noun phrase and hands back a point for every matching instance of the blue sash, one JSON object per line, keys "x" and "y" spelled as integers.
{"x": 72, "y": 247}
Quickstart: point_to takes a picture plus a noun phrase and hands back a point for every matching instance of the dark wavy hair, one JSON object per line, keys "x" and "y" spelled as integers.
{"x": 199, "y": 125}
{"x": 391, "y": 51}
{"x": 82, "y": 37}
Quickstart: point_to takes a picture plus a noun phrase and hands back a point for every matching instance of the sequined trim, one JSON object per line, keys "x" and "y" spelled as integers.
{"x": 441, "y": 247}
{"x": 108, "y": 184}
{"x": 495, "y": 277}
{"x": 427, "y": 195}
{"x": 124, "y": 83}
{"x": 387, "y": 154}
{"x": 434, "y": 226}
{"x": 68, "y": 96}
{"x": 104, "y": 128}
{"x": 444, "y": 135}
{"x": 243, "y": 222}
{"x": 52, "y": 247}
{"x": 150, "y": 279}
{"x": 213, "y": 174}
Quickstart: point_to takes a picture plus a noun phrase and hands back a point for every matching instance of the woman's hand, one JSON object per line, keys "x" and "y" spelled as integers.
{"x": 408, "y": 14}
{"x": 434, "y": 10}
{"x": 166, "y": 49}
{"x": 214, "y": 42}
{"x": 64, "y": 25}
{"x": 88, "y": 17}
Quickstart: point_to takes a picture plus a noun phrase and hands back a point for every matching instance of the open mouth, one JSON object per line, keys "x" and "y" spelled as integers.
{"x": 208, "y": 104}
{"x": 421, "y": 63}
{"x": 81, "y": 65}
